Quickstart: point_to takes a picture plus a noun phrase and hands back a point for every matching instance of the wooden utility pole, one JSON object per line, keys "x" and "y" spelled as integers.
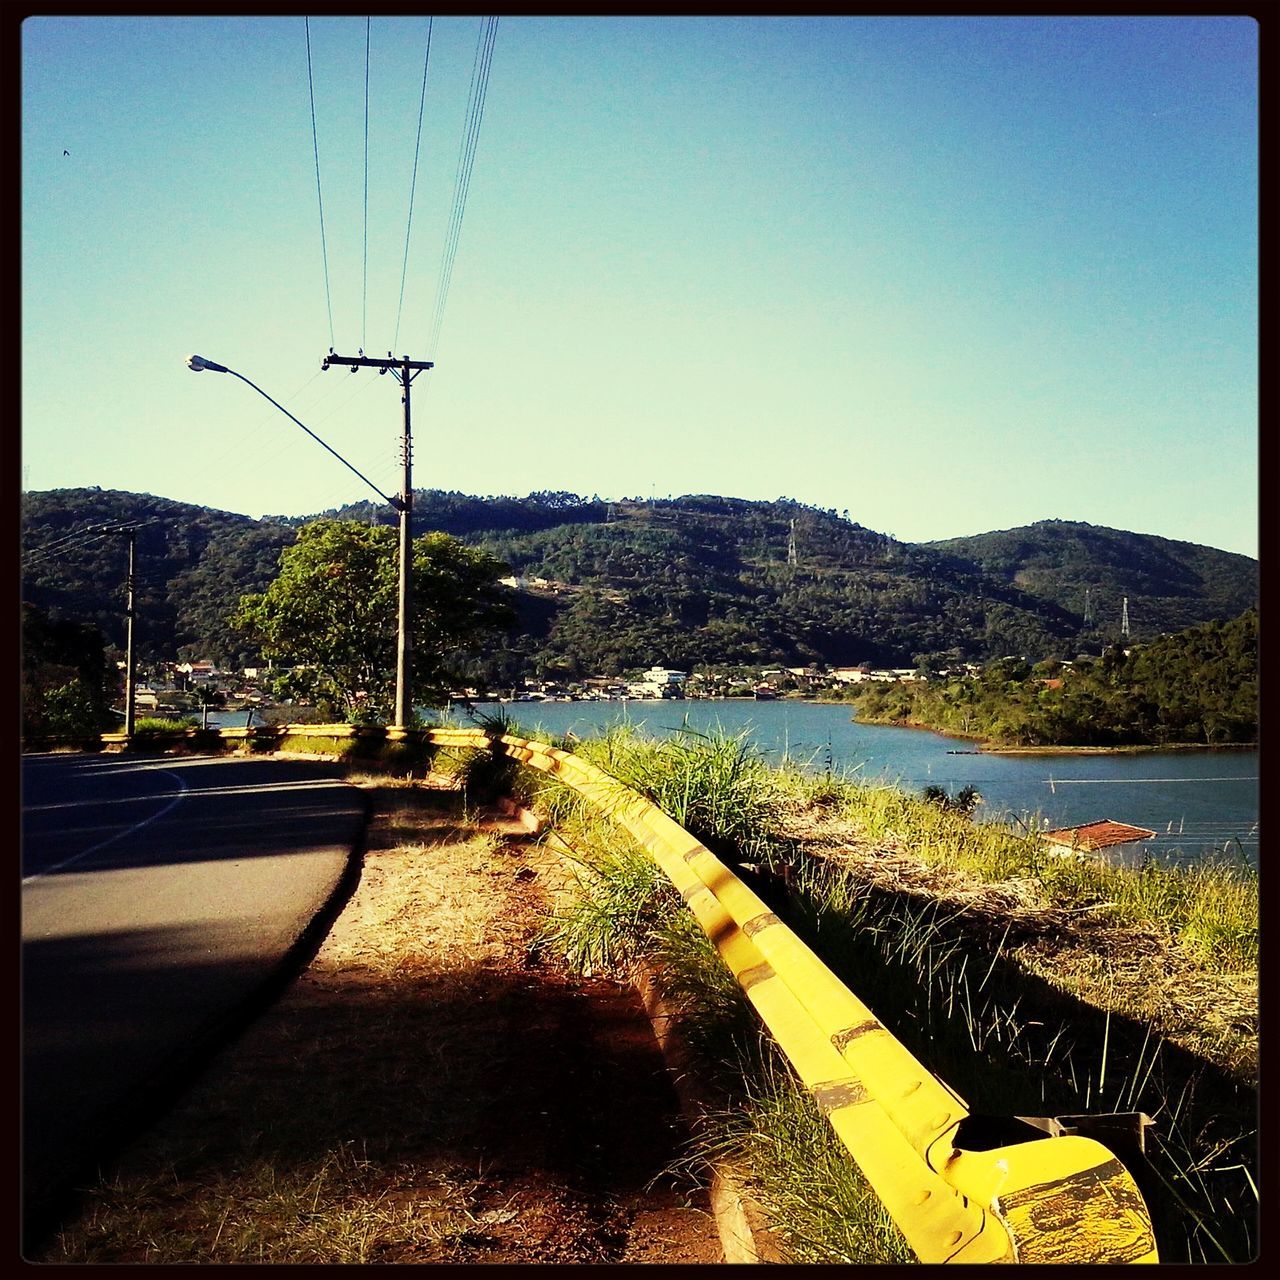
{"x": 404, "y": 371}
{"x": 130, "y": 585}
{"x": 130, "y": 582}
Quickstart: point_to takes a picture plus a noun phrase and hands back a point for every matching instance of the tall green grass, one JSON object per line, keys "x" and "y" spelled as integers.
{"x": 715, "y": 785}
{"x": 625, "y": 911}
{"x": 1210, "y": 906}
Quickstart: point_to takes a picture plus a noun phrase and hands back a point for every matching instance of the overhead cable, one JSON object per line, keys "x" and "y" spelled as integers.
{"x": 413, "y": 185}
{"x": 364, "y": 306}
{"x": 466, "y": 160}
{"x": 82, "y": 540}
{"x": 315, "y": 141}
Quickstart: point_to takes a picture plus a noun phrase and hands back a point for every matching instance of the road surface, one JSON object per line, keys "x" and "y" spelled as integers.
{"x": 158, "y": 896}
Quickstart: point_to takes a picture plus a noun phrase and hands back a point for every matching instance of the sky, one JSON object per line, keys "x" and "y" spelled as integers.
{"x": 946, "y": 274}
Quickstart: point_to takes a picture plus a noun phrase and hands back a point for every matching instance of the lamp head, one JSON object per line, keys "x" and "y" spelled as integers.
{"x": 199, "y": 363}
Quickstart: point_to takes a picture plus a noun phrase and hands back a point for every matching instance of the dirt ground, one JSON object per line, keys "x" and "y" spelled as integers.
{"x": 432, "y": 1089}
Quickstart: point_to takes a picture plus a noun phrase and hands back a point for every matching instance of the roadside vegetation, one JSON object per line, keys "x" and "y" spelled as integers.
{"x": 1034, "y": 984}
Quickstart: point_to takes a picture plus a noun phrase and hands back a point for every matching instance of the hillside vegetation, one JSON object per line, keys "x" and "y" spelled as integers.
{"x": 1170, "y": 585}
{"x": 696, "y": 580}
{"x": 1200, "y": 685}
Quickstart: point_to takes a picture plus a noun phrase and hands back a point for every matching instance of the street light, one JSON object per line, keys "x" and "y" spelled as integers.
{"x": 404, "y": 644}
{"x": 197, "y": 364}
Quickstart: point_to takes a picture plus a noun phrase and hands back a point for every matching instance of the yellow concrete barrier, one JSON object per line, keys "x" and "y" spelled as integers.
{"x": 1063, "y": 1199}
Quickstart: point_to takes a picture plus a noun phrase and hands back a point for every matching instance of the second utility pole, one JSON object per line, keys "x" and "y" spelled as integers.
{"x": 404, "y": 371}
{"x": 130, "y": 611}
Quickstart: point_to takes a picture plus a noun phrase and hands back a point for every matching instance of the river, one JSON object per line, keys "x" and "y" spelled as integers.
{"x": 1197, "y": 802}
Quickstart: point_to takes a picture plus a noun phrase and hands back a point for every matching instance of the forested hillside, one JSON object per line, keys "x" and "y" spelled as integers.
{"x": 192, "y": 566}
{"x": 1170, "y": 585}
{"x": 1199, "y": 685}
{"x": 696, "y": 580}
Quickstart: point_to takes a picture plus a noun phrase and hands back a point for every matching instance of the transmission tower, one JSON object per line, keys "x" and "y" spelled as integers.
{"x": 1124, "y": 618}
{"x": 791, "y": 544}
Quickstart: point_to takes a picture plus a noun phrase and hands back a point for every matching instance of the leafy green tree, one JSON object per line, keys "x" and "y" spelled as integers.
{"x": 333, "y": 605}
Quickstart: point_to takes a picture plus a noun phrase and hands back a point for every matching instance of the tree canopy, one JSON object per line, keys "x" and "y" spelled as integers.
{"x": 333, "y": 607}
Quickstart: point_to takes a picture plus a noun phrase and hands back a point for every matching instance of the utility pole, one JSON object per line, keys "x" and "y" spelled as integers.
{"x": 130, "y": 582}
{"x": 404, "y": 371}
{"x": 129, "y": 611}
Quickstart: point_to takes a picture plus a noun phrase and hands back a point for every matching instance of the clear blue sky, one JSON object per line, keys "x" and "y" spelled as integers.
{"x": 949, "y": 274}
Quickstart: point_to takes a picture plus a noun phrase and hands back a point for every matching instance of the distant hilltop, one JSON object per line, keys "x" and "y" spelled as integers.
{"x": 691, "y": 581}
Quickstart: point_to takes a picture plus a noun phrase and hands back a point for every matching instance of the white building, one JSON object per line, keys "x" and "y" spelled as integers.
{"x": 663, "y": 676}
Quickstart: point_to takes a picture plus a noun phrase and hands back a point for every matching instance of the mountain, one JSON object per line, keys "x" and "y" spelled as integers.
{"x": 1170, "y": 585}
{"x": 682, "y": 581}
{"x": 192, "y": 564}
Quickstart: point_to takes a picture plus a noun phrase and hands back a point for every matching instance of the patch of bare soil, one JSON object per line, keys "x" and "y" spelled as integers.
{"x": 449, "y": 1092}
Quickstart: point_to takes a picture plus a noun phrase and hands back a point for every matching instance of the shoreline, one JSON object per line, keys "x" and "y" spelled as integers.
{"x": 986, "y": 747}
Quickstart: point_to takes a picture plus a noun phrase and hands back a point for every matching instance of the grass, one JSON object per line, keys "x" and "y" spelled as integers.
{"x": 622, "y": 911}
{"x": 152, "y": 726}
{"x": 817, "y": 1201}
{"x": 621, "y": 905}
{"x": 717, "y": 786}
{"x": 1211, "y": 907}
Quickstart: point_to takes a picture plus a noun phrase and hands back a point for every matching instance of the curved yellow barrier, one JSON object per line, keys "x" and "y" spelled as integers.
{"x": 1063, "y": 1199}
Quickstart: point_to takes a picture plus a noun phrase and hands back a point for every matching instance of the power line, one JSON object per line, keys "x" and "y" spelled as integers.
{"x": 77, "y": 539}
{"x": 413, "y": 184}
{"x": 64, "y": 540}
{"x": 364, "y": 306}
{"x": 466, "y": 160}
{"x": 315, "y": 141}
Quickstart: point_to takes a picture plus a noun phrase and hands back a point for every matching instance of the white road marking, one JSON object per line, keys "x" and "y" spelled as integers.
{"x": 119, "y": 835}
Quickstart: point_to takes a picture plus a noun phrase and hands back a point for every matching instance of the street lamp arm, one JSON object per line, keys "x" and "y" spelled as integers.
{"x": 199, "y": 363}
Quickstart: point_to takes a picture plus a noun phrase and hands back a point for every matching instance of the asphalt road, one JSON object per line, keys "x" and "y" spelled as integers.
{"x": 159, "y": 896}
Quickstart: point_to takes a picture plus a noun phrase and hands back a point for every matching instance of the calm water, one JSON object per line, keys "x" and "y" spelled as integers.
{"x": 1196, "y": 801}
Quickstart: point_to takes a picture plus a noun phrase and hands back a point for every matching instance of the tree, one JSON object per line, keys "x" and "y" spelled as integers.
{"x": 66, "y": 681}
{"x": 333, "y": 604}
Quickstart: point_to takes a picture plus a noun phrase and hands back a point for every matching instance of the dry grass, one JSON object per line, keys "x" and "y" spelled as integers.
{"x": 428, "y": 1091}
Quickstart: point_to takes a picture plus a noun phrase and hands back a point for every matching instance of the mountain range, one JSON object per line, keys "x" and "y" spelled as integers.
{"x": 603, "y": 587}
